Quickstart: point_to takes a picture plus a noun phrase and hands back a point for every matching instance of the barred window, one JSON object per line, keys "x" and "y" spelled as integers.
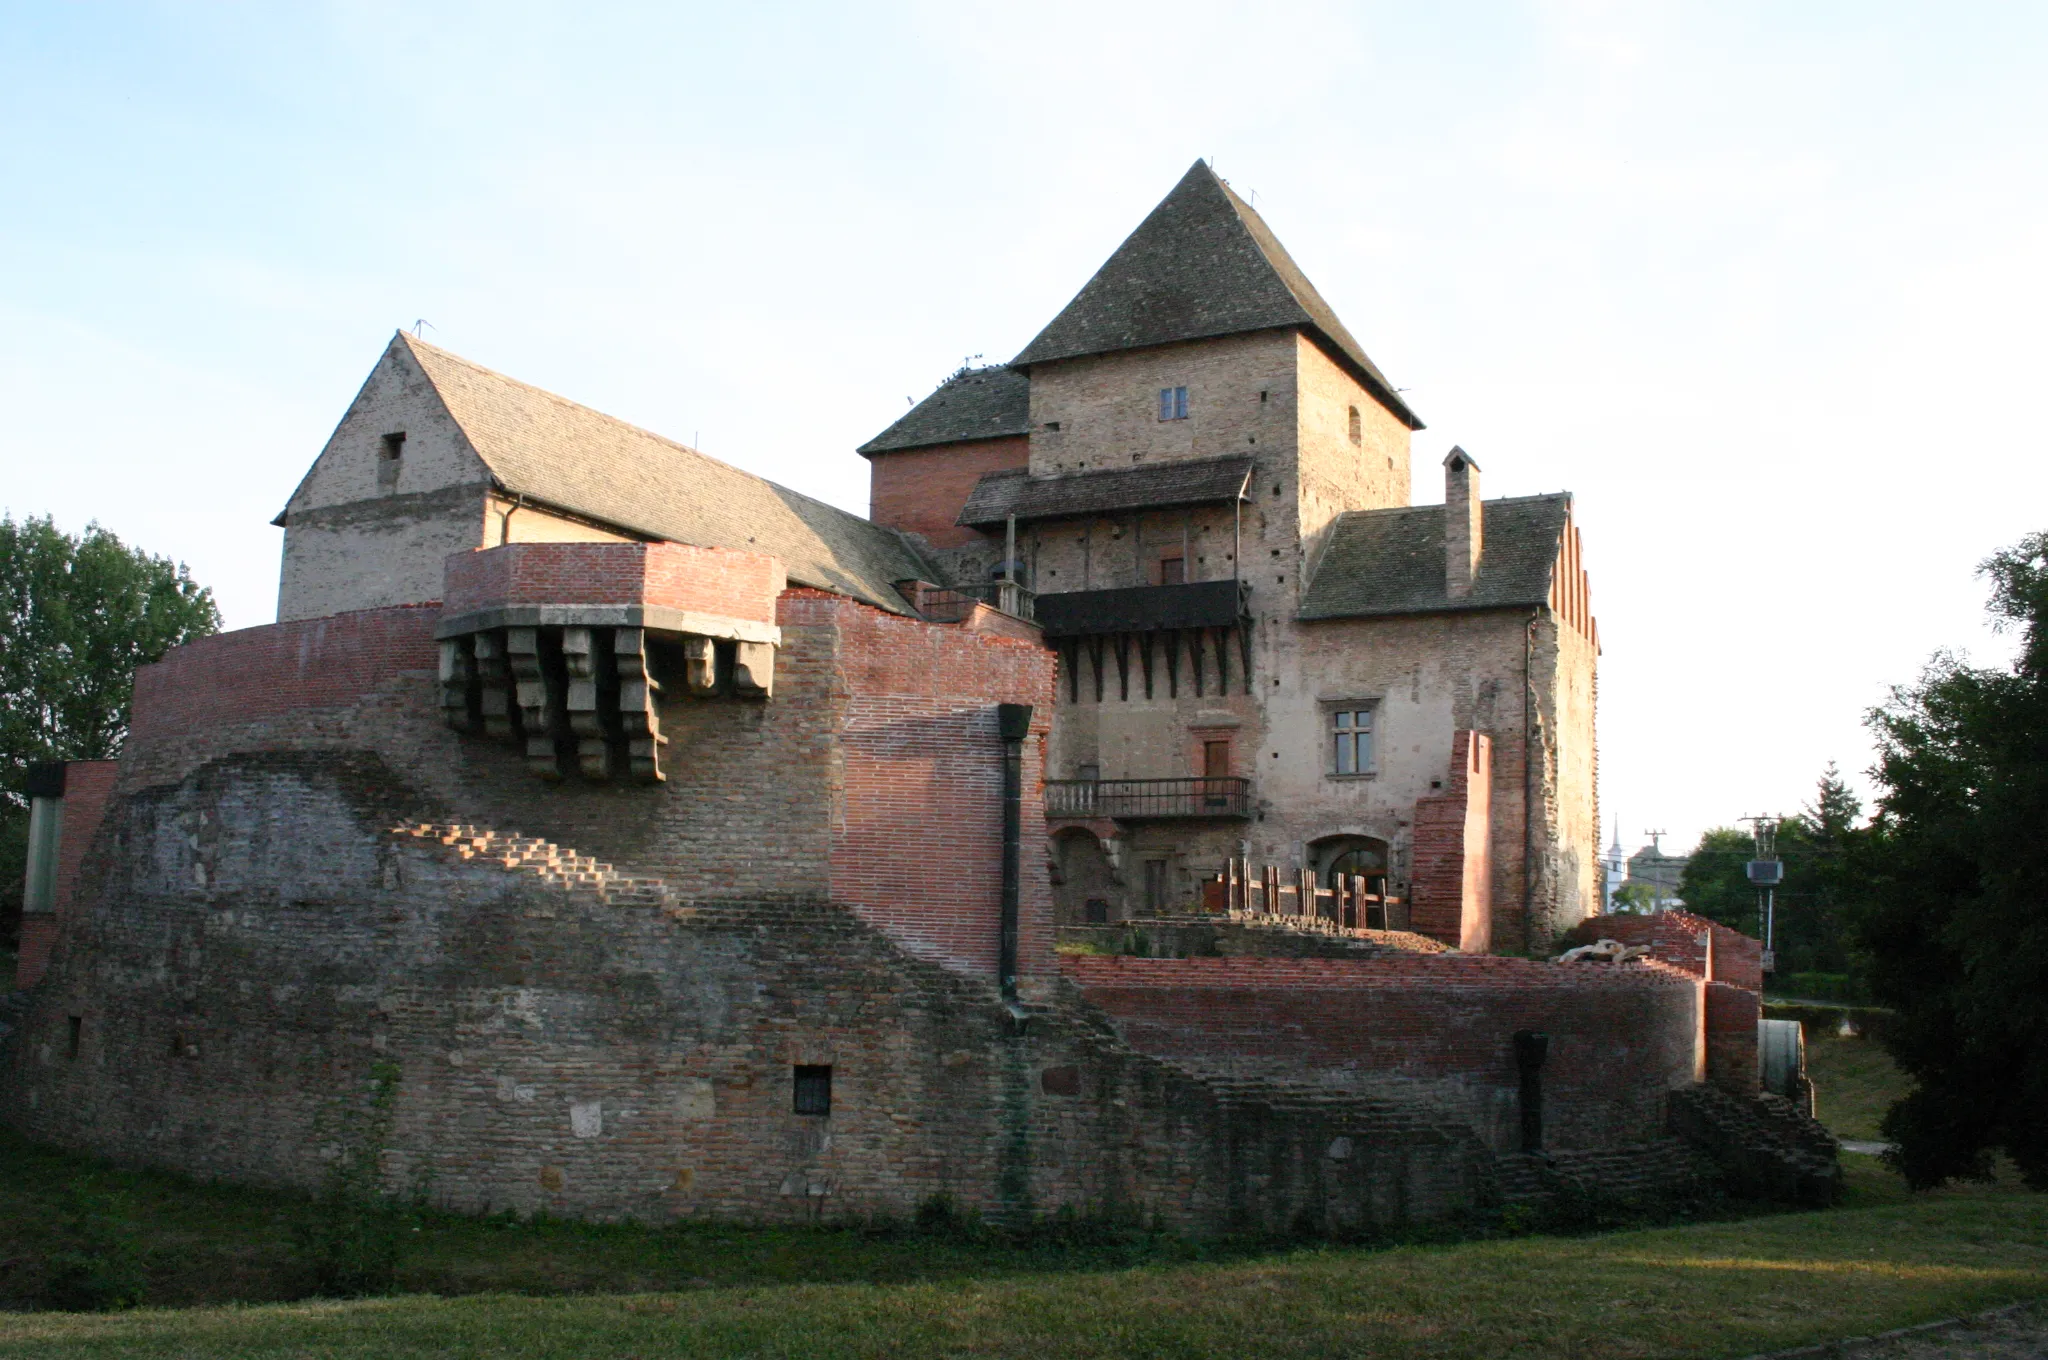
{"x": 1351, "y": 728}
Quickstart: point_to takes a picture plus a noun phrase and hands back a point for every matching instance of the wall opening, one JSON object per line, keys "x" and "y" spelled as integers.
{"x": 75, "y": 1037}
{"x": 813, "y": 1089}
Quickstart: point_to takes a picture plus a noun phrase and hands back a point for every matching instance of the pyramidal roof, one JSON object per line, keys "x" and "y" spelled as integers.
{"x": 558, "y": 453}
{"x": 1202, "y": 264}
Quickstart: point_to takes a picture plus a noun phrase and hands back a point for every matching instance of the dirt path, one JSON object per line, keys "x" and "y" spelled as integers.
{"x": 2019, "y": 1333}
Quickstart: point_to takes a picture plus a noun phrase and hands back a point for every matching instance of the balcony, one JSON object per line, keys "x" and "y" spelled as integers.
{"x": 1149, "y": 799}
{"x": 953, "y": 604}
{"x": 1144, "y": 609}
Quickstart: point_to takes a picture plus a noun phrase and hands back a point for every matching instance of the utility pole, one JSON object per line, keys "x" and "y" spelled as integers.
{"x": 1766, "y": 872}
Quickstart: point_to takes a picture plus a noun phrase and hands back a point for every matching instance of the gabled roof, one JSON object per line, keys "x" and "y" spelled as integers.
{"x": 975, "y": 403}
{"x": 1159, "y": 486}
{"x": 1202, "y": 264}
{"x": 1392, "y": 561}
{"x": 570, "y": 457}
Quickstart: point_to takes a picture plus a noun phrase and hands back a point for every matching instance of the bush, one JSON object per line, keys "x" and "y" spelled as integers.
{"x": 354, "y": 1234}
{"x": 101, "y": 1266}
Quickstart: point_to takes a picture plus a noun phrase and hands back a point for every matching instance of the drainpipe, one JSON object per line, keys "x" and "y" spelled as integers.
{"x": 1531, "y": 1047}
{"x": 1014, "y": 723}
{"x": 1528, "y": 779}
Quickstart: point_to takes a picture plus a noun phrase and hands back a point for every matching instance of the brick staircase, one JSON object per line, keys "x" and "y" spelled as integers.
{"x": 553, "y": 864}
{"x": 1768, "y": 1148}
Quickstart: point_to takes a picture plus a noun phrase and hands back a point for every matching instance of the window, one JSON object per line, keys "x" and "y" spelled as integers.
{"x": 1351, "y": 729}
{"x": 1357, "y": 426}
{"x": 1173, "y": 403}
{"x": 1173, "y": 571}
{"x": 1216, "y": 760}
{"x": 76, "y": 1036}
{"x": 1091, "y": 773}
{"x": 813, "y": 1090}
{"x": 389, "y": 459}
{"x": 1097, "y": 911}
{"x": 1155, "y": 885}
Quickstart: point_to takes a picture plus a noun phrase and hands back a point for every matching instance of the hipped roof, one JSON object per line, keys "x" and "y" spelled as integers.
{"x": 1202, "y": 264}
{"x": 975, "y": 403}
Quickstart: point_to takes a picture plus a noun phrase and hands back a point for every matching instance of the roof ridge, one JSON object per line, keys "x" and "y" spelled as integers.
{"x": 1201, "y": 265}
{"x": 573, "y": 404}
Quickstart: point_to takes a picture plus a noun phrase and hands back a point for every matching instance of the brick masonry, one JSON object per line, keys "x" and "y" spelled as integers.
{"x": 717, "y": 581}
{"x": 1433, "y": 1028}
{"x": 87, "y": 786}
{"x": 922, "y": 491}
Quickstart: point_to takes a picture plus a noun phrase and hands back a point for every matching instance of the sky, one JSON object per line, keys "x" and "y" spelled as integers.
{"x": 1761, "y": 284}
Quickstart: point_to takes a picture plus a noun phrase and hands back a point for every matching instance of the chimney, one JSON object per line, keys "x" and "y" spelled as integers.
{"x": 1464, "y": 522}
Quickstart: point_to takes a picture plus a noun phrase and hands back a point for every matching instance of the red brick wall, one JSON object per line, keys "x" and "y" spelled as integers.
{"x": 1732, "y": 1013}
{"x": 231, "y": 679}
{"x": 1619, "y": 1039}
{"x": 923, "y": 490}
{"x": 87, "y": 784}
{"x": 1452, "y": 883}
{"x": 1673, "y": 937}
{"x": 740, "y": 585}
{"x": 917, "y": 836}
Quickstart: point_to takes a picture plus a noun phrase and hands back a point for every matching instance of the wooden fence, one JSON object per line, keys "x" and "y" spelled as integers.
{"x": 1356, "y": 902}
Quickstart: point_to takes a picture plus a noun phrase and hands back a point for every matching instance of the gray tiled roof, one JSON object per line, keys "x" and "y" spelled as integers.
{"x": 1202, "y": 264}
{"x": 1392, "y": 561}
{"x": 975, "y": 403}
{"x": 1204, "y": 481}
{"x": 573, "y": 458}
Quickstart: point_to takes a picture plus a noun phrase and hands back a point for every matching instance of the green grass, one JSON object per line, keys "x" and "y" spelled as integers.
{"x": 554, "y": 1289}
{"x": 1854, "y": 1082}
{"x": 1705, "y": 1290}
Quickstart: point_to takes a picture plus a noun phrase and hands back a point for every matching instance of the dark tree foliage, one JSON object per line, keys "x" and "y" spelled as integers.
{"x": 1954, "y": 928}
{"x": 77, "y": 616}
{"x": 1818, "y": 848}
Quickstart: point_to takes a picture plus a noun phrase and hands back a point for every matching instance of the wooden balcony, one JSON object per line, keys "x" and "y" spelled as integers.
{"x": 1133, "y": 800}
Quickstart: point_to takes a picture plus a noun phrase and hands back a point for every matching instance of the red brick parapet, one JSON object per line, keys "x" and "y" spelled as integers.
{"x": 674, "y": 587}
{"x": 1679, "y": 938}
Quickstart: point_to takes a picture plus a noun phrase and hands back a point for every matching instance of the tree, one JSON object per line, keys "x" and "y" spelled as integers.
{"x": 77, "y": 616}
{"x": 1815, "y": 846}
{"x": 1953, "y": 881}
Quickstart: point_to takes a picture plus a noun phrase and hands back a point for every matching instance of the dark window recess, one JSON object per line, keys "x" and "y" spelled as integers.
{"x": 1173, "y": 403}
{"x": 1097, "y": 911}
{"x": 1357, "y": 426}
{"x": 76, "y": 1036}
{"x": 389, "y": 459}
{"x": 813, "y": 1090}
{"x": 1088, "y": 772}
{"x": 1053, "y": 425}
{"x": 1155, "y": 884}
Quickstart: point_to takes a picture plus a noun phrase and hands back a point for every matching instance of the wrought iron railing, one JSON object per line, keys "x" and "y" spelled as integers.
{"x": 955, "y": 603}
{"x": 1142, "y": 798}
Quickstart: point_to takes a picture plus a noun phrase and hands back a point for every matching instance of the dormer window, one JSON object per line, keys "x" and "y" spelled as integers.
{"x": 1173, "y": 403}
{"x": 390, "y": 457}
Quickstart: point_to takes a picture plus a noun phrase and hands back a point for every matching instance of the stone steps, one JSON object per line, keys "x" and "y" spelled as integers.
{"x": 555, "y": 865}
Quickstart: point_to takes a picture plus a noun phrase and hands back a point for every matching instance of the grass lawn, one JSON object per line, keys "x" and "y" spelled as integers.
{"x": 1709, "y": 1289}
{"x": 1854, "y": 1082}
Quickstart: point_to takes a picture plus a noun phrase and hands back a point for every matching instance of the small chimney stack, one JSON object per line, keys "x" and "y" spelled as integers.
{"x": 1464, "y": 524}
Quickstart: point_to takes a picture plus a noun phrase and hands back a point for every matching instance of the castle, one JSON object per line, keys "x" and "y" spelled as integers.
{"x": 693, "y": 847}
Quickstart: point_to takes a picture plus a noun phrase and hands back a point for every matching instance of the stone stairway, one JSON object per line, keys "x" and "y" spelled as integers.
{"x": 1662, "y": 1168}
{"x": 555, "y": 865}
{"x": 1769, "y": 1149}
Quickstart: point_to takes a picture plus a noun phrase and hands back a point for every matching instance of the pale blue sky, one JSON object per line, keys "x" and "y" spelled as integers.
{"x": 1762, "y": 284}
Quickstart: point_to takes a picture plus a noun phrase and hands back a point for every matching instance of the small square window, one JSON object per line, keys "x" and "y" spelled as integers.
{"x": 75, "y": 1038}
{"x": 1173, "y": 403}
{"x": 1351, "y": 732}
{"x": 1173, "y": 571}
{"x": 813, "y": 1090}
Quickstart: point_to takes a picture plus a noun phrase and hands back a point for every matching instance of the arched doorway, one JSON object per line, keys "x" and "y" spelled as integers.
{"x": 1365, "y": 855}
{"x": 1088, "y": 892}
